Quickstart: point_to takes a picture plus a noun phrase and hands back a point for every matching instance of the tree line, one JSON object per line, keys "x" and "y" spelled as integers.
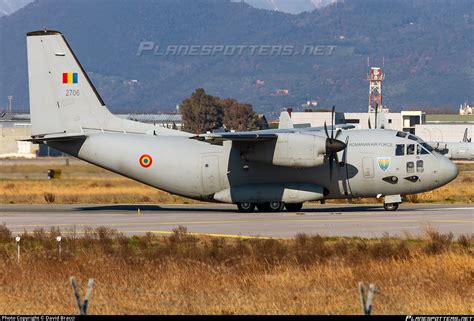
{"x": 202, "y": 113}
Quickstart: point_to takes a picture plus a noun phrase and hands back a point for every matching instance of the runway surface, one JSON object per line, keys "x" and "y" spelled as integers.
{"x": 224, "y": 220}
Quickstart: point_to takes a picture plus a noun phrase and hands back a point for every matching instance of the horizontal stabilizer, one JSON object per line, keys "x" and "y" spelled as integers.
{"x": 54, "y": 138}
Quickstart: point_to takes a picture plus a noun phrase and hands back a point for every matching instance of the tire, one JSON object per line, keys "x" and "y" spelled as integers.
{"x": 276, "y": 206}
{"x": 293, "y": 207}
{"x": 246, "y": 207}
{"x": 390, "y": 206}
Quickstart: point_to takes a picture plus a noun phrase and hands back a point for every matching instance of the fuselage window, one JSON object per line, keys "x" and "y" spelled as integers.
{"x": 411, "y": 149}
{"x": 419, "y": 166}
{"x": 410, "y": 167}
{"x": 400, "y": 150}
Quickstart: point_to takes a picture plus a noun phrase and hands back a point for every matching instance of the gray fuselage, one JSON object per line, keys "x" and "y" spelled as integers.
{"x": 198, "y": 170}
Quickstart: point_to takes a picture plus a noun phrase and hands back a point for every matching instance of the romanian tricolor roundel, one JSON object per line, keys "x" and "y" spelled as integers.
{"x": 145, "y": 160}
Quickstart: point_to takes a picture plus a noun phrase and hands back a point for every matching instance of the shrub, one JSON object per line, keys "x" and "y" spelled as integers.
{"x": 49, "y": 197}
{"x": 5, "y": 234}
{"x": 438, "y": 242}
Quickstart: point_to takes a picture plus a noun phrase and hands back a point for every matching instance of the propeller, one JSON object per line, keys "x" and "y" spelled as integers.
{"x": 333, "y": 145}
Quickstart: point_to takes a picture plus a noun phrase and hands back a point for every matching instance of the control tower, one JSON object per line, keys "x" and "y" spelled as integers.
{"x": 375, "y": 78}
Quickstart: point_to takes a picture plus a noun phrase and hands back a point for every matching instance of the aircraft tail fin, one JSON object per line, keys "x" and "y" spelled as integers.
{"x": 63, "y": 99}
{"x": 465, "y": 139}
{"x": 285, "y": 121}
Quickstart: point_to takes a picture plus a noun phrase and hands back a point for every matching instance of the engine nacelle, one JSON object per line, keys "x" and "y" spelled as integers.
{"x": 290, "y": 149}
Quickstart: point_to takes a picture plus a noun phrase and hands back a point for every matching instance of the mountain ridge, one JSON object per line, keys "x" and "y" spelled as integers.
{"x": 425, "y": 48}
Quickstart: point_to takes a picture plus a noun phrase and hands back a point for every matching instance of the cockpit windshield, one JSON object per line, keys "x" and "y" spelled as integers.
{"x": 427, "y": 146}
{"x": 401, "y": 134}
{"x": 412, "y": 149}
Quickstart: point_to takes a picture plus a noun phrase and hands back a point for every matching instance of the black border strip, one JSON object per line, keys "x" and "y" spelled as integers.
{"x": 43, "y": 33}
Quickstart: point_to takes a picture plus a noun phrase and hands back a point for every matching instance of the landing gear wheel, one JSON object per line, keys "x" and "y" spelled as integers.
{"x": 390, "y": 206}
{"x": 293, "y": 207}
{"x": 246, "y": 207}
{"x": 276, "y": 206}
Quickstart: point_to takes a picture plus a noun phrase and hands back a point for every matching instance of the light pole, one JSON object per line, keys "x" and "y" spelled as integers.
{"x": 18, "y": 239}
{"x": 59, "y": 246}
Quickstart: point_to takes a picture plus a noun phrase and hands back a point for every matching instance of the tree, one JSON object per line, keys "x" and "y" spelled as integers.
{"x": 201, "y": 112}
{"x": 238, "y": 116}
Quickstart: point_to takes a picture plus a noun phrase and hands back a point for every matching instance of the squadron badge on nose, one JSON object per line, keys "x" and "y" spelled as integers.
{"x": 384, "y": 163}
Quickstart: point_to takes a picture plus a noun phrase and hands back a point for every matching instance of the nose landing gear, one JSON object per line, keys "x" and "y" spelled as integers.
{"x": 390, "y": 206}
{"x": 391, "y": 202}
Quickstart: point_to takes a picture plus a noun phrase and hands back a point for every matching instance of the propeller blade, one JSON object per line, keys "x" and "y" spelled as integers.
{"x": 332, "y": 120}
{"x": 330, "y": 167}
{"x": 370, "y": 127}
{"x": 326, "y": 129}
{"x": 344, "y": 155}
{"x": 337, "y": 160}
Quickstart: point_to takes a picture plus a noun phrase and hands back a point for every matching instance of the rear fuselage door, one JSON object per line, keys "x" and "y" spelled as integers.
{"x": 210, "y": 174}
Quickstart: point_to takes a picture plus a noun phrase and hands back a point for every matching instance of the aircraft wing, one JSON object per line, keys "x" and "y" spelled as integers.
{"x": 218, "y": 138}
{"x": 319, "y": 128}
{"x": 261, "y": 135}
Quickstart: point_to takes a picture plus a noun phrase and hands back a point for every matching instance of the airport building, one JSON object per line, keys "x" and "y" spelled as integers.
{"x": 445, "y": 128}
{"x": 13, "y": 129}
{"x": 404, "y": 121}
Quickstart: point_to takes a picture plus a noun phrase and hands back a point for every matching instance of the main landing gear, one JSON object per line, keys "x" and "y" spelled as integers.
{"x": 272, "y": 207}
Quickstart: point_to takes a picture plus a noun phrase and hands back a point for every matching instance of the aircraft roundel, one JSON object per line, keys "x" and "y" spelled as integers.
{"x": 145, "y": 160}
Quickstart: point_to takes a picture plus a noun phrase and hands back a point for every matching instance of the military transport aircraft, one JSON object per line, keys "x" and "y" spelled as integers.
{"x": 270, "y": 170}
{"x": 463, "y": 150}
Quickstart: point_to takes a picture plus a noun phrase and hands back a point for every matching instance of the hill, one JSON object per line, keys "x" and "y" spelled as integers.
{"x": 426, "y": 45}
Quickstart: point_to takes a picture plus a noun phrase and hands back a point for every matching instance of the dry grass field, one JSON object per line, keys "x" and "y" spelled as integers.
{"x": 185, "y": 274}
{"x": 83, "y": 183}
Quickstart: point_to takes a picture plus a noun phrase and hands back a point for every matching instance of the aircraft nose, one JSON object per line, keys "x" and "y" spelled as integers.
{"x": 447, "y": 170}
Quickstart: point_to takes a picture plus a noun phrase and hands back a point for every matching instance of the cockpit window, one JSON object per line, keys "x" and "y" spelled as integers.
{"x": 400, "y": 150}
{"x": 401, "y": 134}
{"x": 427, "y": 146}
{"x": 413, "y": 138}
{"x": 411, "y": 149}
{"x": 424, "y": 151}
{"x": 418, "y": 149}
